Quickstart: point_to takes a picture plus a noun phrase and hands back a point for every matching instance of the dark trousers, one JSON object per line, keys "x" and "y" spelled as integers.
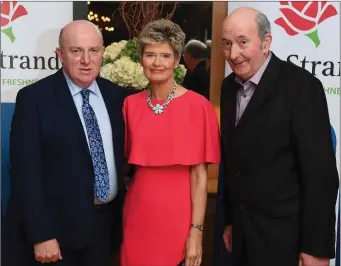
{"x": 259, "y": 240}
{"x": 99, "y": 252}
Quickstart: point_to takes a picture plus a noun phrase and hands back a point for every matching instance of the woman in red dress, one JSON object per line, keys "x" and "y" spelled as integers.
{"x": 172, "y": 135}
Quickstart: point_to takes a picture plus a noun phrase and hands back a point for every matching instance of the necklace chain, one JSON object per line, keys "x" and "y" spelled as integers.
{"x": 159, "y": 108}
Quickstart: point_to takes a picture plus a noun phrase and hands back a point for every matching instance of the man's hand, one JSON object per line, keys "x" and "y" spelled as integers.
{"x": 228, "y": 238}
{"x": 308, "y": 260}
{"x": 47, "y": 251}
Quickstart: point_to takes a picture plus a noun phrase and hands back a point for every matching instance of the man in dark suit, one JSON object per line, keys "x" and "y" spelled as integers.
{"x": 67, "y": 161}
{"x": 278, "y": 158}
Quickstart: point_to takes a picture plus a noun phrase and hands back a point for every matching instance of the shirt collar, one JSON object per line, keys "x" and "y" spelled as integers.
{"x": 256, "y": 77}
{"x": 74, "y": 89}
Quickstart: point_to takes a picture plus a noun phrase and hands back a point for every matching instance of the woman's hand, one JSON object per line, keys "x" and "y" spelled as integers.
{"x": 193, "y": 252}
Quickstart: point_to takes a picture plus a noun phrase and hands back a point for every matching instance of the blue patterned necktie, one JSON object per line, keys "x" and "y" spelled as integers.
{"x": 96, "y": 149}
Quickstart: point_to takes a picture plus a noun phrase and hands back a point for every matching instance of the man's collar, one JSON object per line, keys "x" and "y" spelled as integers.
{"x": 74, "y": 89}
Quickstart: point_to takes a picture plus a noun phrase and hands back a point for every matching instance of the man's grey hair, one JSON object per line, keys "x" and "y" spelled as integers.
{"x": 196, "y": 49}
{"x": 263, "y": 24}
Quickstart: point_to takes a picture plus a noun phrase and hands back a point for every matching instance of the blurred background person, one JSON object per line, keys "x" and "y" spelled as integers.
{"x": 197, "y": 78}
{"x": 208, "y": 60}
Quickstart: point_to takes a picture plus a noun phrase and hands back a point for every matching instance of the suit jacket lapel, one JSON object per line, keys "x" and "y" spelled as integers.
{"x": 263, "y": 89}
{"x": 230, "y": 104}
{"x": 69, "y": 110}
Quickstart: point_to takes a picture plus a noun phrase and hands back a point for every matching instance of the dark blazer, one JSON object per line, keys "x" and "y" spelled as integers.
{"x": 279, "y": 165}
{"x": 198, "y": 80}
{"x": 52, "y": 179}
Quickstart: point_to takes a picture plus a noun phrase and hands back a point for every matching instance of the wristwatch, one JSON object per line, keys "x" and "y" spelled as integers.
{"x": 198, "y": 226}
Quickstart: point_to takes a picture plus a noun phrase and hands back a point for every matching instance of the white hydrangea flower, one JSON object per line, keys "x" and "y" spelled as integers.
{"x": 127, "y": 73}
{"x": 113, "y": 50}
{"x": 106, "y": 71}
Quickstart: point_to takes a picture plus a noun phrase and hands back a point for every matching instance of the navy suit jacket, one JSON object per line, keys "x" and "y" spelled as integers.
{"x": 52, "y": 179}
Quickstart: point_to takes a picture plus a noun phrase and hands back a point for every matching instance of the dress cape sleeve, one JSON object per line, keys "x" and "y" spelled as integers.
{"x": 189, "y": 136}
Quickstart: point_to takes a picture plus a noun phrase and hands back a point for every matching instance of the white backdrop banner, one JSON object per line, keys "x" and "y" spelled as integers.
{"x": 29, "y": 37}
{"x": 308, "y": 35}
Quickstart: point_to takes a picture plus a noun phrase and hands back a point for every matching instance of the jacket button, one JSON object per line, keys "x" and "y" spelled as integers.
{"x": 238, "y": 174}
{"x": 241, "y": 207}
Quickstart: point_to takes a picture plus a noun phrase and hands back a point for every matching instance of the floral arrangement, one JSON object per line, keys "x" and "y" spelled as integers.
{"x": 121, "y": 65}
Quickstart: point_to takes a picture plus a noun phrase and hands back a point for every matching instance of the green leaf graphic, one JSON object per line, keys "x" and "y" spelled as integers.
{"x": 9, "y": 34}
{"x": 314, "y": 37}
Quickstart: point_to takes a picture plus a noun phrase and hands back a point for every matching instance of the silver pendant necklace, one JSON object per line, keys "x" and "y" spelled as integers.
{"x": 159, "y": 108}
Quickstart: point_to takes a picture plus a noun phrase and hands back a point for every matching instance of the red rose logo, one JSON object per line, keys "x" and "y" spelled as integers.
{"x": 303, "y": 17}
{"x": 10, "y": 11}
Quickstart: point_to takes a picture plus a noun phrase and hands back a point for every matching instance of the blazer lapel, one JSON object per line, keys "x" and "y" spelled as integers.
{"x": 69, "y": 110}
{"x": 231, "y": 103}
{"x": 263, "y": 89}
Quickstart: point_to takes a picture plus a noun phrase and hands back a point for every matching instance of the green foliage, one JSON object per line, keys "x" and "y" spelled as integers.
{"x": 179, "y": 74}
{"x": 130, "y": 50}
{"x": 106, "y": 61}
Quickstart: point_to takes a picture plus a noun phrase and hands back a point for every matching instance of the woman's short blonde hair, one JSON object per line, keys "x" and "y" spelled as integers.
{"x": 162, "y": 31}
